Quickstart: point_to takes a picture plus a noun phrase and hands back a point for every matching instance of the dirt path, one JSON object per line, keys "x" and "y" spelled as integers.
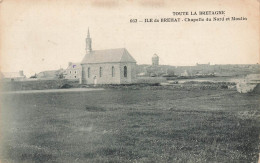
{"x": 53, "y": 90}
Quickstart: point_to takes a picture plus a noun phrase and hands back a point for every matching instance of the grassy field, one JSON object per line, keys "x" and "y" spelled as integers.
{"x": 125, "y": 125}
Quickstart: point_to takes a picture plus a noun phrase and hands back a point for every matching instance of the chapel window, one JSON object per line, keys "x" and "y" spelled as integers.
{"x": 89, "y": 72}
{"x": 100, "y": 72}
{"x": 125, "y": 71}
{"x": 113, "y": 71}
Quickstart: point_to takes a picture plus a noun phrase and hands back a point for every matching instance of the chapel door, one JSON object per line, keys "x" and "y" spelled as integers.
{"x": 84, "y": 77}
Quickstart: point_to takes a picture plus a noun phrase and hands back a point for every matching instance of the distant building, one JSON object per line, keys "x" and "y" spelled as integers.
{"x": 155, "y": 60}
{"x": 111, "y": 66}
{"x": 73, "y": 71}
{"x": 13, "y": 76}
{"x": 203, "y": 65}
{"x": 155, "y": 71}
{"x": 51, "y": 74}
{"x": 203, "y": 69}
{"x": 185, "y": 73}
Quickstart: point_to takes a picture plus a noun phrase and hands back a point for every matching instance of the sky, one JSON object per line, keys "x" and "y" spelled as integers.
{"x": 45, "y": 35}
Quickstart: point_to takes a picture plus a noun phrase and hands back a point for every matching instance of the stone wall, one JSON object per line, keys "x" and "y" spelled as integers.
{"x": 106, "y": 77}
{"x": 131, "y": 73}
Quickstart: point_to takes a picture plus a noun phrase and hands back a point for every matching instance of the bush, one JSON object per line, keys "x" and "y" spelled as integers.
{"x": 224, "y": 87}
{"x": 66, "y": 86}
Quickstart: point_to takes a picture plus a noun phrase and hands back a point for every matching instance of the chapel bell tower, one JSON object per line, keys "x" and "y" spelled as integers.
{"x": 88, "y": 43}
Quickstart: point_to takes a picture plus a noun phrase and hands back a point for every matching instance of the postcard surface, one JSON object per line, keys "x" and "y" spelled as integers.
{"x": 129, "y": 81}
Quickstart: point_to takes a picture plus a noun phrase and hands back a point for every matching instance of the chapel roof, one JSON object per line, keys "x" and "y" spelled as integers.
{"x": 120, "y": 55}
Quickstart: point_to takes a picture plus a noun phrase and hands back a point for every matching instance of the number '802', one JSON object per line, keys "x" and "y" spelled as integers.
{"x": 133, "y": 20}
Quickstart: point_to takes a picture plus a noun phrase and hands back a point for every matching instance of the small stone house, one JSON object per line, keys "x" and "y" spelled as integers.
{"x": 73, "y": 71}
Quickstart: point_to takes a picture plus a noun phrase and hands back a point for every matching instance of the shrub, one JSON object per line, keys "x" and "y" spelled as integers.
{"x": 66, "y": 86}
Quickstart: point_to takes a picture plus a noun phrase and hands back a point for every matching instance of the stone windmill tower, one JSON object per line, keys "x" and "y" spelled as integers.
{"x": 155, "y": 60}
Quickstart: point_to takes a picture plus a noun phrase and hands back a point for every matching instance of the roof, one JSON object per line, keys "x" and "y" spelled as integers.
{"x": 108, "y": 56}
{"x": 44, "y": 74}
{"x": 12, "y": 75}
{"x": 155, "y": 56}
{"x": 74, "y": 66}
{"x": 49, "y": 73}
